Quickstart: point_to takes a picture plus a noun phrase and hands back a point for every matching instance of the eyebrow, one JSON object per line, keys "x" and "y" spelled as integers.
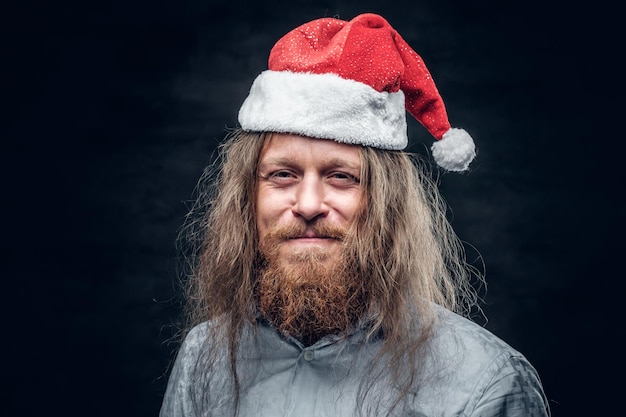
{"x": 331, "y": 162}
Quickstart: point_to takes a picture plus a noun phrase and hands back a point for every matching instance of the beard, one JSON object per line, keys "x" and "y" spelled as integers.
{"x": 313, "y": 292}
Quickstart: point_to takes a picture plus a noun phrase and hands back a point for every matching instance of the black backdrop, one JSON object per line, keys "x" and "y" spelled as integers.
{"x": 110, "y": 111}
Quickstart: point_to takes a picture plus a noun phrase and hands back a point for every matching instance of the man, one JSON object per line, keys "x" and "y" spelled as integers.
{"x": 325, "y": 279}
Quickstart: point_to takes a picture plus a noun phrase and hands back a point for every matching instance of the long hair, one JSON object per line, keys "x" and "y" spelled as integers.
{"x": 401, "y": 241}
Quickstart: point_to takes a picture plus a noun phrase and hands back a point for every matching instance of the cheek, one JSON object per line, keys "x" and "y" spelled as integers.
{"x": 349, "y": 206}
{"x": 268, "y": 212}
{"x": 260, "y": 215}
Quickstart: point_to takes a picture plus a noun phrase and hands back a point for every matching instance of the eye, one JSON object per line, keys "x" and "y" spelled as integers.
{"x": 281, "y": 177}
{"x": 281, "y": 174}
{"x": 343, "y": 178}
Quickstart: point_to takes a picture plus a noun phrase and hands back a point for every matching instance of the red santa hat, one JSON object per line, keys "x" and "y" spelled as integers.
{"x": 352, "y": 82}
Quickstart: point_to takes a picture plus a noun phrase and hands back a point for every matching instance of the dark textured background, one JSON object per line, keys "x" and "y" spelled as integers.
{"x": 111, "y": 109}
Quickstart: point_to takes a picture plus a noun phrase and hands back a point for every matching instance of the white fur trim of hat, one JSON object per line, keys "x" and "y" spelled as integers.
{"x": 325, "y": 106}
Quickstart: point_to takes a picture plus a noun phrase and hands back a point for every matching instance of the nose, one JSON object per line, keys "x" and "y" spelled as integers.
{"x": 310, "y": 201}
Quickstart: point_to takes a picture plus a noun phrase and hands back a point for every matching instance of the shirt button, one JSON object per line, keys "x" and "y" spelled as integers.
{"x": 309, "y": 355}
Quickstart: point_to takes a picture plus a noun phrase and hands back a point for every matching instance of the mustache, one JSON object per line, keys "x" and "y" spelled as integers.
{"x": 299, "y": 229}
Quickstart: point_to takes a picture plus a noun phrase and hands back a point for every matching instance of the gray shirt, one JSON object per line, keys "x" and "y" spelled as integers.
{"x": 467, "y": 371}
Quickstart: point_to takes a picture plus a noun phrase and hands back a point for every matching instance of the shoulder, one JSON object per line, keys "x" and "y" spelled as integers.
{"x": 177, "y": 401}
{"x": 190, "y": 348}
{"x": 472, "y": 348}
{"x": 196, "y": 336}
{"x": 498, "y": 378}
{"x": 457, "y": 332}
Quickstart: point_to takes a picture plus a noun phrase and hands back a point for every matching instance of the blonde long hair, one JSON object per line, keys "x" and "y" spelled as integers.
{"x": 402, "y": 242}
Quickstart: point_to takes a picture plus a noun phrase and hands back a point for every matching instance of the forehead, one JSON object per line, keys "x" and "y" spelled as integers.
{"x": 293, "y": 148}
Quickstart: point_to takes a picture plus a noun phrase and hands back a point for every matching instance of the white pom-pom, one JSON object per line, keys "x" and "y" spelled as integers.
{"x": 455, "y": 150}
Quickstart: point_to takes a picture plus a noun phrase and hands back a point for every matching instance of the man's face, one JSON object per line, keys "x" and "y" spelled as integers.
{"x": 308, "y": 194}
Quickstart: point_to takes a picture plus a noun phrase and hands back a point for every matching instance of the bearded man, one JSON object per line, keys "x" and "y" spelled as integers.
{"x": 325, "y": 279}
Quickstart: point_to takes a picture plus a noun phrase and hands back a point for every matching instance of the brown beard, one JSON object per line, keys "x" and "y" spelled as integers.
{"x": 314, "y": 292}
